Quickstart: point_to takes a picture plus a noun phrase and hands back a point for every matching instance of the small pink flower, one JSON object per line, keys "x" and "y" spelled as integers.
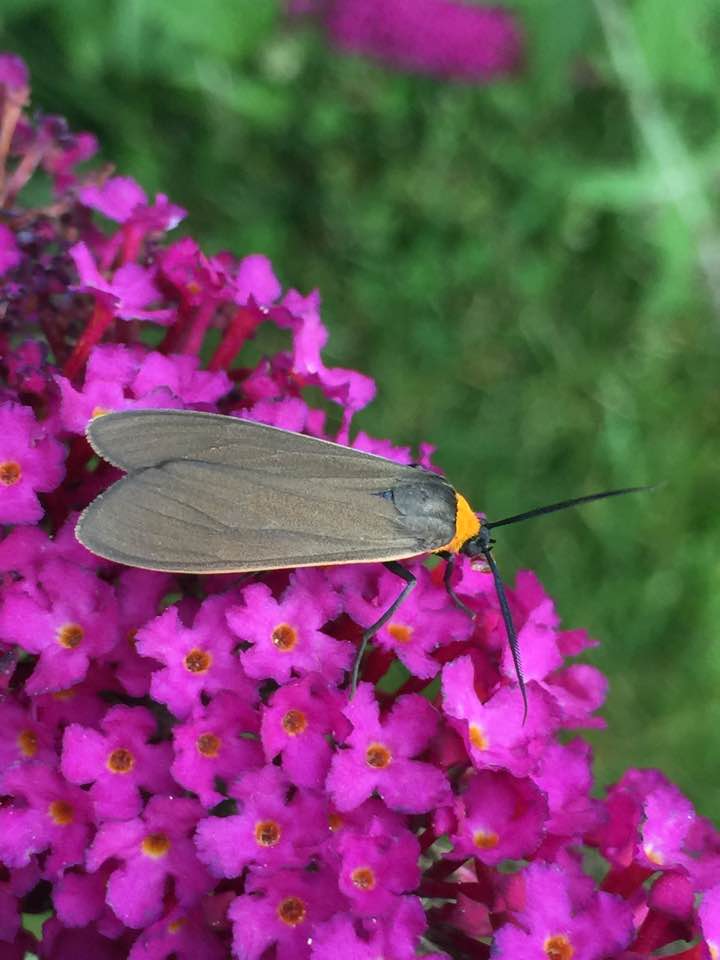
{"x": 379, "y": 756}
{"x": 31, "y": 461}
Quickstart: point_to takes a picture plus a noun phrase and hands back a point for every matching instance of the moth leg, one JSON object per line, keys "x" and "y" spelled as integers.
{"x": 447, "y": 580}
{"x": 410, "y": 580}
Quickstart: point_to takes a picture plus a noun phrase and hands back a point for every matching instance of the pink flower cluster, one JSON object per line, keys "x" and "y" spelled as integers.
{"x": 183, "y": 772}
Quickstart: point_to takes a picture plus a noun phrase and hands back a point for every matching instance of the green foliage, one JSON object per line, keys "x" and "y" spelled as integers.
{"x": 526, "y": 269}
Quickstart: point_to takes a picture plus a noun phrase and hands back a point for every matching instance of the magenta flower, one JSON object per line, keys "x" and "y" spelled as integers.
{"x": 67, "y": 617}
{"x": 196, "y": 278}
{"x": 180, "y": 934}
{"x": 10, "y": 255}
{"x": 443, "y": 37}
{"x": 492, "y": 730}
{"x": 106, "y": 389}
{"x": 564, "y": 775}
{"x": 297, "y": 724}
{"x": 709, "y": 914}
{"x": 217, "y": 744}
{"x": 426, "y": 620}
{"x": 123, "y": 199}
{"x": 24, "y": 739}
{"x": 14, "y": 74}
{"x": 347, "y": 387}
{"x": 379, "y": 752}
{"x": 151, "y": 850}
{"x": 181, "y": 375}
{"x": 139, "y": 594}
{"x": 282, "y": 908}
{"x": 31, "y": 462}
{"x": 48, "y": 817}
{"x": 376, "y": 868}
{"x": 79, "y": 900}
{"x": 560, "y": 920}
{"x": 384, "y": 448}
{"x": 66, "y": 943}
{"x": 394, "y": 937}
{"x": 499, "y": 818}
{"x": 130, "y": 292}
{"x": 118, "y": 762}
{"x": 198, "y": 660}
{"x": 285, "y": 634}
{"x": 254, "y": 278}
{"x": 274, "y": 827}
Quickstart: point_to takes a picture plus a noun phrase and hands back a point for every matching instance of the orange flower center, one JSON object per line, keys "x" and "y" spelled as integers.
{"x": 284, "y": 637}
{"x": 478, "y": 737}
{"x": 558, "y": 947}
{"x": 400, "y": 632}
{"x": 198, "y": 661}
{"x": 267, "y": 833}
{"x": 292, "y": 911}
{"x": 27, "y": 743}
{"x": 120, "y": 761}
{"x": 208, "y": 744}
{"x": 10, "y": 473}
{"x": 294, "y": 722}
{"x": 70, "y": 635}
{"x": 155, "y": 845}
{"x": 363, "y": 878}
{"x": 653, "y": 855}
{"x": 485, "y": 839}
{"x": 377, "y": 755}
{"x": 61, "y": 813}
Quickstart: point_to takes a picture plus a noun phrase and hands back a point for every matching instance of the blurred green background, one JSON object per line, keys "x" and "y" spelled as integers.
{"x": 529, "y": 270}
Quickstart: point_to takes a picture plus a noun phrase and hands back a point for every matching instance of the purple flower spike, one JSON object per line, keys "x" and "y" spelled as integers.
{"x": 450, "y": 39}
{"x": 379, "y": 755}
{"x": 151, "y": 850}
{"x": 118, "y": 762}
{"x": 321, "y": 823}
{"x": 31, "y": 461}
{"x": 198, "y": 659}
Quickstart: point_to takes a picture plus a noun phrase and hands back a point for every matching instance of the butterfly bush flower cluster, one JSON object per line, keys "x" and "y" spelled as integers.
{"x": 453, "y": 39}
{"x": 184, "y": 771}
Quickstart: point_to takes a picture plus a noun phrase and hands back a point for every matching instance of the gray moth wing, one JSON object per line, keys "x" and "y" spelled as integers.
{"x": 209, "y": 494}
